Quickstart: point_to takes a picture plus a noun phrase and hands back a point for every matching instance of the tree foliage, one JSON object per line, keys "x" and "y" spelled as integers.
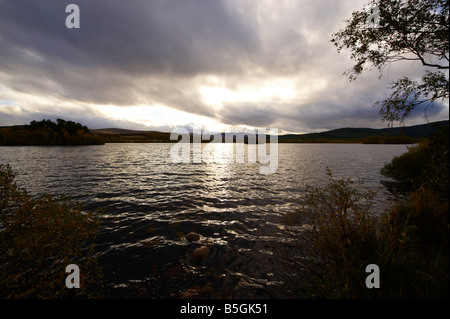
{"x": 388, "y": 31}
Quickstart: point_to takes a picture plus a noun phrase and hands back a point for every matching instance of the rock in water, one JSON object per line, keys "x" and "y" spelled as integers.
{"x": 201, "y": 253}
{"x": 192, "y": 237}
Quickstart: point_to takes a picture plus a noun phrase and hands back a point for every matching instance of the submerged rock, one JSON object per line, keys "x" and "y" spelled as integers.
{"x": 201, "y": 253}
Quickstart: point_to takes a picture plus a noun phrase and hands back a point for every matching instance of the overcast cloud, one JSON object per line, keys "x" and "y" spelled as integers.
{"x": 160, "y": 64}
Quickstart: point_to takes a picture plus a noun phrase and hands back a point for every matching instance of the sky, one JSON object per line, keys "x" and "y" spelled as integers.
{"x": 168, "y": 64}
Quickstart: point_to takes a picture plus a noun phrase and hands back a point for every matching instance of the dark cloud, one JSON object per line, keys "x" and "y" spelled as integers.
{"x": 137, "y": 37}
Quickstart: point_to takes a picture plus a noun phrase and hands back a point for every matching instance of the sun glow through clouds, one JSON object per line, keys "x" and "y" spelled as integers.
{"x": 273, "y": 90}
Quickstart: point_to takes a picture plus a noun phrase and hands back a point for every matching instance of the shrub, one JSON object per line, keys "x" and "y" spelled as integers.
{"x": 407, "y": 170}
{"x": 39, "y": 237}
{"x": 424, "y": 165}
{"x": 414, "y": 248}
{"x": 334, "y": 237}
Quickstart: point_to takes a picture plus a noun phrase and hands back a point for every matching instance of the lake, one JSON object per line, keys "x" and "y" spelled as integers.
{"x": 151, "y": 204}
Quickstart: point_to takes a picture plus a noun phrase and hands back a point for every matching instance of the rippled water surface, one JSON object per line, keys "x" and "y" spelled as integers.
{"x": 151, "y": 204}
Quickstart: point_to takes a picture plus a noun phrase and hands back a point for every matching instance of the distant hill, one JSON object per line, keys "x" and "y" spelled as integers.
{"x": 367, "y": 135}
{"x": 393, "y": 135}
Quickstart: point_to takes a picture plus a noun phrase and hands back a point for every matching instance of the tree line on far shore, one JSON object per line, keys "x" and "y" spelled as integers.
{"x": 46, "y": 132}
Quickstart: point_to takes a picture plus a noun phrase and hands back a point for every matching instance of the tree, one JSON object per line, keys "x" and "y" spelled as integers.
{"x": 413, "y": 240}
{"x": 388, "y": 31}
